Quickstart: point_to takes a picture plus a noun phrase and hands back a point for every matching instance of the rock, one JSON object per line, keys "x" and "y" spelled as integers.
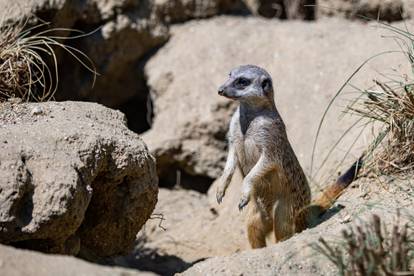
{"x": 388, "y": 10}
{"x": 17, "y": 262}
{"x": 75, "y": 179}
{"x": 292, "y": 9}
{"x": 36, "y": 111}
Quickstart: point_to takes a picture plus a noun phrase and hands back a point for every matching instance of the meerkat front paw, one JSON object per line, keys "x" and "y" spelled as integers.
{"x": 243, "y": 202}
{"x": 219, "y": 195}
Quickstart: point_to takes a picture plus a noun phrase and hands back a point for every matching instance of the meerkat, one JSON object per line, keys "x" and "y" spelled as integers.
{"x": 274, "y": 187}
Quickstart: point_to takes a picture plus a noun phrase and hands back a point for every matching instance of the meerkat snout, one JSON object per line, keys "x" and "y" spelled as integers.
{"x": 221, "y": 91}
{"x": 229, "y": 90}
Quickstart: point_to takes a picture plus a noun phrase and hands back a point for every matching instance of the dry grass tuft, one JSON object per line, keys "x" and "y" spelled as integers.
{"x": 28, "y": 62}
{"x": 372, "y": 250}
{"x": 391, "y": 105}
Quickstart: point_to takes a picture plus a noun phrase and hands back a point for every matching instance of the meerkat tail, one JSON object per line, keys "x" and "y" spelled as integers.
{"x": 310, "y": 214}
{"x": 331, "y": 193}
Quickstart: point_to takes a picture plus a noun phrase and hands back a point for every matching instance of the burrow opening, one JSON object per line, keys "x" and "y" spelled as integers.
{"x": 176, "y": 178}
{"x": 139, "y": 110}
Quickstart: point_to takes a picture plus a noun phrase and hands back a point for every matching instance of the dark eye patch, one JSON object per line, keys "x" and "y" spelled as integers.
{"x": 242, "y": 82}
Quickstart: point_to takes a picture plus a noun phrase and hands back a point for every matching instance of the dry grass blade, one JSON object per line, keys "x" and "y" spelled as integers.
{"x": 371, "y": 250}
{"x": 335, "y": 97}
{"x": 28, "y": 62}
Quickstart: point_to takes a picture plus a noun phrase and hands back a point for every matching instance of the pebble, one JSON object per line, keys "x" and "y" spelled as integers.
{"x": 89, "y": 189}
{"x": 36, "y": 111}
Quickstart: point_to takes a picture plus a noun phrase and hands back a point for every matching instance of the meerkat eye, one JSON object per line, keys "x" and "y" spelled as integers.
{"x": 242, "y": 82}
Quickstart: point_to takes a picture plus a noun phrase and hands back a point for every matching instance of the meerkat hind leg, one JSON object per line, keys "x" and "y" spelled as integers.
{"x": 258, "y": 227}
{"x": 283, "y": 221}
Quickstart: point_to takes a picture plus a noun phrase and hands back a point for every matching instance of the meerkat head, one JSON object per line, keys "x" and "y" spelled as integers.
{"x": 248, "y": 83}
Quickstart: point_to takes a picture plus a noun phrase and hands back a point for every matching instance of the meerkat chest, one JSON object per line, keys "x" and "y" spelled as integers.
{"x": 248, "y": 151}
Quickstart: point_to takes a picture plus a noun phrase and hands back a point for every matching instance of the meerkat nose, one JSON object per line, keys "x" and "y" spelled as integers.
{"x": 221, "y": 91}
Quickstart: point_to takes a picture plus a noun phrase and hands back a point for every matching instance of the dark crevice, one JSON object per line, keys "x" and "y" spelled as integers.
{"x": 310, "y": 10}
{"x": 71, "y": 72}
{"x": 139, "y": 109}
{"x": 282, "y": 9}
{"x": 42, "y": 245}
{"x": 152, "y": 261}
{"x": 179, "y": 13}
{"x": 136, "y": 103}
{"x": 175, "y": 178}
{"x": 86, "y": 27}
{"x": 24, "y": 210}
{"x": 389, "y": 15}
{"x": 273, "y": 9}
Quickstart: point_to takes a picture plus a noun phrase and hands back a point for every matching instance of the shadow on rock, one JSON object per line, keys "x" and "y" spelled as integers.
{"x": 327, "y": 215}
{"x": 148, "y": 259}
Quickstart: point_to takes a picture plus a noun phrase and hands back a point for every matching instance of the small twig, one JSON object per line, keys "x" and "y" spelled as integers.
{"x": 161, "y": 218}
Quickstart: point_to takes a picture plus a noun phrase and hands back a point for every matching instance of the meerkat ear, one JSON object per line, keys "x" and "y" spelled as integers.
{"x": 267, "y": 85}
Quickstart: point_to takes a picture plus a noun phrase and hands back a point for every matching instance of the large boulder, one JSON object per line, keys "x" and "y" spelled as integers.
{"x": 75, "y": 179}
